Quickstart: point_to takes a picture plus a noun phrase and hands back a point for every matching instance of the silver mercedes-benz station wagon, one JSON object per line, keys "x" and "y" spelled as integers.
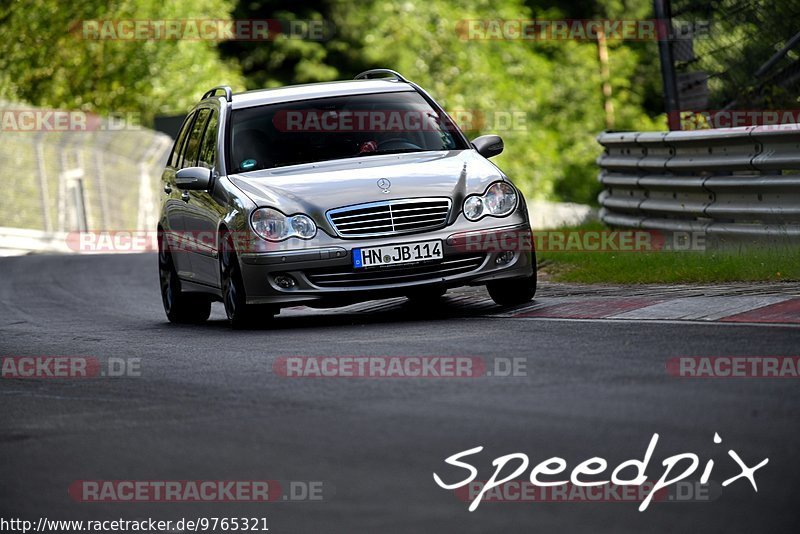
{"x": 332, "y": 193}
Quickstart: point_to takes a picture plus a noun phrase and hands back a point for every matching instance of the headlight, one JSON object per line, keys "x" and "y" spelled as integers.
{"x": 273, "y": 225}
{"x": 473, "y": 208}
{"x": 499, "y": 200}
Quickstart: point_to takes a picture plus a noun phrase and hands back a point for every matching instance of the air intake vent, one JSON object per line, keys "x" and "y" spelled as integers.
{"x": 391, "y": 217}
{"x": 349, "y": 278}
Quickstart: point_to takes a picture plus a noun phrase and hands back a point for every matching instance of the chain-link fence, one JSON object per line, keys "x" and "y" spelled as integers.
{"x": 746, "y": 57}
{"x": 67, "y": 171}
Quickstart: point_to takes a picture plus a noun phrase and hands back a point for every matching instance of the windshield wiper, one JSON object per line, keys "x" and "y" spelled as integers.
{"x": 393, "y": 151}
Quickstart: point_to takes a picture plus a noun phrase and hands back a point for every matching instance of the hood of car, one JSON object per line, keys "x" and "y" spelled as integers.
{"x": 315, "y": 188}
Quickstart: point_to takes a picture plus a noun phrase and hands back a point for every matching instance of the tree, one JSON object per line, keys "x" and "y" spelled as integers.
{"x": 544, "y": 97}
{"x": 46, "y": 59}
{"x": 555, "y": 84}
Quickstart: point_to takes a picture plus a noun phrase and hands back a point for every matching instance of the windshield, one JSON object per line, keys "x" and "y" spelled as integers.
{"x": 350, "y": 126}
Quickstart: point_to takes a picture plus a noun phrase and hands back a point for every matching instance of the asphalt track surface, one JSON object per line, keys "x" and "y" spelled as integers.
{"x": 208, "y": 406}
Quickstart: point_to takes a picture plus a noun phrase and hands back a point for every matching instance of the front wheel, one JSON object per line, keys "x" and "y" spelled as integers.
{"x": 184, "y": 308}
{"x": 240, "y": 314}
{"x": 512, "y": 292}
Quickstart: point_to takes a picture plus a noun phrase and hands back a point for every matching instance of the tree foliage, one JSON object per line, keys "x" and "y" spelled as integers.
{"x": 45, "y": 59}
{"x": 554, "y": 85}
{"x": 543, "y": 97}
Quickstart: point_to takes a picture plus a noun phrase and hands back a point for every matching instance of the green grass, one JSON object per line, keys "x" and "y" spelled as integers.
{"x": 734, "y": 263}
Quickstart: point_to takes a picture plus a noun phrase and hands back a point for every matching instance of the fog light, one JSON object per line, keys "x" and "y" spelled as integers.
{"x": 284, "y": 281}
{"x": 504, "y": 257}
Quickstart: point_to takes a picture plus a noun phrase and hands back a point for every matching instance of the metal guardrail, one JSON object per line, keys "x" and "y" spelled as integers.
{"x": 18, "y": 241}
{"x": 732, "y": 182}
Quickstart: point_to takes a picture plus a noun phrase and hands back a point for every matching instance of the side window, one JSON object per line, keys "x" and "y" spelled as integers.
{"x": 175, "y": 157}
{"x": 208, "y": 150}
{"x": 193, "y": 144}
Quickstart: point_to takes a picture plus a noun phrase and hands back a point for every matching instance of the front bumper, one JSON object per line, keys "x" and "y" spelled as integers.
{"x": 325, "y": 275}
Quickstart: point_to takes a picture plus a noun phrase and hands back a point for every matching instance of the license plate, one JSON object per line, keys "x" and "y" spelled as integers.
{"x": 397, "y": 254}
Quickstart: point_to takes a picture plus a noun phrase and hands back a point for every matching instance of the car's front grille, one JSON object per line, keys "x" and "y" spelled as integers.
{"x": 390, "y": 217}
{"x": 351, "y": 277}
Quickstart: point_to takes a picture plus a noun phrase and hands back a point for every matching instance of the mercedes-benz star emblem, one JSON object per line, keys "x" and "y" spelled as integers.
{"x": 384, "y": 184}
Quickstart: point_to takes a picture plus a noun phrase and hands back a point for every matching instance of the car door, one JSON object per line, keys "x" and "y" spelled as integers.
{"x": 192, "y": 245}
{"x": 174, "y": 206}
{"x": 206, "y": 208}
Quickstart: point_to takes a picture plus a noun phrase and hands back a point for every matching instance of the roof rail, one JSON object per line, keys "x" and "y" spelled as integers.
{"x": 366, "y": 74}
{"x": 213, "y": 92}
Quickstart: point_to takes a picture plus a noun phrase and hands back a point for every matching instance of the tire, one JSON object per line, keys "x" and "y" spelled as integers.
{"x": 240, "y": 314}
{"x": 512, "y": 292}
{"x": 180, "y": 307}
{"x": 515, "y": 291}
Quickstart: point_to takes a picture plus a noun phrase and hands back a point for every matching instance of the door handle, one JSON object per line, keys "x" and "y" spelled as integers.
{"x": 185, "y": 196}
{"x": 167, "y": 189}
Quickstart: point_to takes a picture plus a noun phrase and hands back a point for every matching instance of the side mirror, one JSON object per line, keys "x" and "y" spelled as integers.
{"x": 193, "y": 178}
{"x": 488, "y": 145}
